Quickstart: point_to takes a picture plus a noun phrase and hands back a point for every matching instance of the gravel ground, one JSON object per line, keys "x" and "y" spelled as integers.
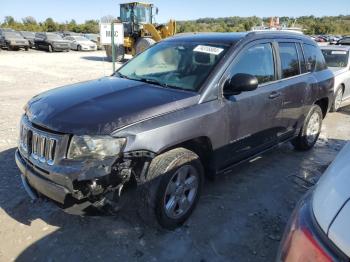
{"x": 240, "y": 216}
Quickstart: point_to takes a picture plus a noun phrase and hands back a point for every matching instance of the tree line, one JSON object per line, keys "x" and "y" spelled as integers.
{"x": 311, "y": 24}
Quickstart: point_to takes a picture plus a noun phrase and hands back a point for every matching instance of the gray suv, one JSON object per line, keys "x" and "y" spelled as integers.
{"x": 190, "y": 106}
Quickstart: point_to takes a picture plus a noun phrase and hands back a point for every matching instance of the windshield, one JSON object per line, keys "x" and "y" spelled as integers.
{"x": 54, "y": 37}
{"x": 91, "y": 37}
{"x": 12, "y": 35}
{"x": 80, "y": 38}
{"x": 143, "y": 14}
{"x": 28, "y": 34}
{"x": 336, "y": 58}
{"x": 175, "y": 65}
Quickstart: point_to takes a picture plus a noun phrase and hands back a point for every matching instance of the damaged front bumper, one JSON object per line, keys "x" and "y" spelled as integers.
{"x": 76, "y": 192}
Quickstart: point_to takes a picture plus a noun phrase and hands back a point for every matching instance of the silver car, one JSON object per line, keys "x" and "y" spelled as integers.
{"x": 81, "y": 43}
{"x": 319, "y": 229}
{"x": 338, "y": 60}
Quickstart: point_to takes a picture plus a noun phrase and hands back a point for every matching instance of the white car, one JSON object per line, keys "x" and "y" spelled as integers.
{"x": 338, "y": 60}
{"x": 80, "y": 43}
{"x": 319, "y": 229}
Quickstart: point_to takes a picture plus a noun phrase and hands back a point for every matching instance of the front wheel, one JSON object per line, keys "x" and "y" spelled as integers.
{"x": 173, "y": 190}
{"x": 338, "y": 97}
{"x": 79, "y": 48}
{"x": 310, "y": 130}
{"x": 50, "y": 49}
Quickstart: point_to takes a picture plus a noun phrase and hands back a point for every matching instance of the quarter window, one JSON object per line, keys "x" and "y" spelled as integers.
{"x": 289, "y": 60}
{"x": 257, "y": 61}
{"x": 314, "y": 58}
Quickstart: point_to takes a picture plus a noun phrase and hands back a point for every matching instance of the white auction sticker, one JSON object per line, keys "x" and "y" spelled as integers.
{"x": 338, "y": 52}
{"x": 208, "y": 49}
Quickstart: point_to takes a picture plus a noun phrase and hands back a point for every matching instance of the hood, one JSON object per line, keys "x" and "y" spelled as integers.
{"x": 104, "y": 105}
{"x": 338, "y": 70}
{"x": 333, "y": 190}
{"x": 15, "y": 39}
{"x": 88, "y": 42}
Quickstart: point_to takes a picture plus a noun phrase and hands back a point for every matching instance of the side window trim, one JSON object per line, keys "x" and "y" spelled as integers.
{"x": 290, "y": 41}
{"x": 301, "y": 57}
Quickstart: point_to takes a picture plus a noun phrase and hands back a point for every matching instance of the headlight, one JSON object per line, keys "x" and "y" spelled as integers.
{"x": 95, "y": 146}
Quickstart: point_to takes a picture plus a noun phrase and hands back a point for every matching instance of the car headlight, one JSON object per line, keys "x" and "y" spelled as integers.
{"x": 95, "y": 146}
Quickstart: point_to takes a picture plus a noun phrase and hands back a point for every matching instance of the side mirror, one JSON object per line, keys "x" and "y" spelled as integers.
{"x": 240, "y": 83}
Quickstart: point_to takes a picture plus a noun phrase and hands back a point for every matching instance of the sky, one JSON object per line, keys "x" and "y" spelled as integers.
{"x": 81, "y": 10}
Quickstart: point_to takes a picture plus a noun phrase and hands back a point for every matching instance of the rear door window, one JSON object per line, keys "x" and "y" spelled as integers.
{"x": 289, "y": 60}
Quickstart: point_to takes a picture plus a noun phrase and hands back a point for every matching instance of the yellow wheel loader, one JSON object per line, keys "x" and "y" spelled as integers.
{"x": 139, "y": 30}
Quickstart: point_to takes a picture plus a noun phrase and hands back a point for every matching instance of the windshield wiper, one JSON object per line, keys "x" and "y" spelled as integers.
{"x": 152, "y": 81}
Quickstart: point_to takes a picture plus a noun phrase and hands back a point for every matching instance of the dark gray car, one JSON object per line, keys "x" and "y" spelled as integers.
{"x": 13, "y": 41}
{"x": 51, "y": 42}
{"x": 190, "y": 106}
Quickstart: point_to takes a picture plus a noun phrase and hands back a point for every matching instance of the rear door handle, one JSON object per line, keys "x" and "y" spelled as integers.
{"x": 274, "y": 95}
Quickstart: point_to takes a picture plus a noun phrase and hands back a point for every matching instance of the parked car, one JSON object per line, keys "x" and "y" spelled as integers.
{"x": 30, "y": 36}
{"x": 344, "y": 41}
{"x": 80, "y": 43}
{"x": 338, "y": 60}
{"x": 319, "y": 228}
{"x": 6, "y": 30}
{"x": 13, "y": 41}
{"x": 51, "y": 42}
{"x": 94, "y": 38}
{"x": 190, "y": 105}
{"x": 68, "y": 33}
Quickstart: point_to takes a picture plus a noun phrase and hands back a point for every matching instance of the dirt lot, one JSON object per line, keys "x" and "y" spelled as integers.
{"x": 240, "y": 216}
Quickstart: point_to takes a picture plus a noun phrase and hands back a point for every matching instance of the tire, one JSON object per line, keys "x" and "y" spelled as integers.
{"x": 119, "y": 53}
{"x": 338, "y": 96}
{"x": 166, "y": 190}
{"x": 50, "y": 49}
{"x": 310, "y": 130}
{"x": 79, "y": 48}
{"x": 26, "y": 48}
{"x": 143, "y": 43}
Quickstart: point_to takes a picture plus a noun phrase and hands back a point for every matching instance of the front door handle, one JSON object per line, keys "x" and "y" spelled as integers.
{"x": 274, "y": 95}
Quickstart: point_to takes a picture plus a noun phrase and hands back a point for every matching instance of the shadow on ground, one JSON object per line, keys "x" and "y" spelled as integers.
{"x": 240, "y": 216}
{"x": 96, "y": 58}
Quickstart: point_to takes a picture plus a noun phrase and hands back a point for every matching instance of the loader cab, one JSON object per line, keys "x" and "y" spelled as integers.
{"x": 136, "y": 13}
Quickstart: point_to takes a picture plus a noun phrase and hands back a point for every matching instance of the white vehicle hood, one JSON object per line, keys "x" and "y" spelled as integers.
{"x": 331, "y": 197}
{"x": 86, "y": 43}
{"x": 338, "y": 70}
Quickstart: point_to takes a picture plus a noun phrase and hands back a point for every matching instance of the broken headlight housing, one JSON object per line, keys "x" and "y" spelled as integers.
{"x": 95, "y": 147}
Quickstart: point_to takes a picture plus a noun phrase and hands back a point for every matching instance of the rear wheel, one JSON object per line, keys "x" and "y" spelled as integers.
{"x": 173, "y": 189}
{"x": 143, "y": 43}
{"x": 26, "y": 48}
{"x": 338, "y": 97}
{"x": 310, "y": 130}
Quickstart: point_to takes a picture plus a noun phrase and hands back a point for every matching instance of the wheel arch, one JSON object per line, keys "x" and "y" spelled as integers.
{"x": 202, "y": 146}
{"x": 323, "y": 103}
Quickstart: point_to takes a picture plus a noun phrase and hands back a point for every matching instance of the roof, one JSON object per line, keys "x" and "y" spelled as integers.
{"x": 225, "y": 38}
{"x": 230, "y": 38}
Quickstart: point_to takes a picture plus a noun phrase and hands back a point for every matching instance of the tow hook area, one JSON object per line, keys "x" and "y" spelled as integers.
{"x": 111, "y": 192}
